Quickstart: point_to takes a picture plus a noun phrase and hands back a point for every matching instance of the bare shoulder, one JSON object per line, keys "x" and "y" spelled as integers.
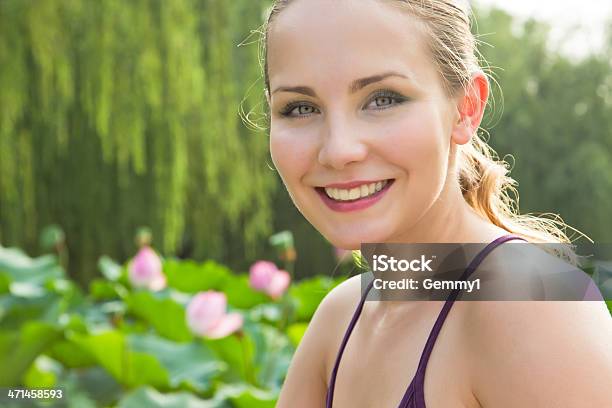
{"x": 540, "y": 353}
{"x": 521, "y": 258}
{"x": 345, "y": 294}
{"x": 306, "y": 381}
{"x": 521, "y": 271}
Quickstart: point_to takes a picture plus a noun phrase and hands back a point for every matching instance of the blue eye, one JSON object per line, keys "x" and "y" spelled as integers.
{"x": 385, "y": 99}
{"x": 382, "y": 100}
{"x": 298, "y": 110}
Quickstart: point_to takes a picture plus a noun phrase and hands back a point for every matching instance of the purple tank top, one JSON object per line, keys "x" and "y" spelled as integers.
{"x": 414, "y": 397}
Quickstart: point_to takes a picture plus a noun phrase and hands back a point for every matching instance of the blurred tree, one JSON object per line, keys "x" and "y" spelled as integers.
{"x": 554, "y": 116}
{"x": 118, "y": 114}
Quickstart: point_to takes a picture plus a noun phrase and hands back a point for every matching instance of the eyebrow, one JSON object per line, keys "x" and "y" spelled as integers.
{"x": 354, "y": 87}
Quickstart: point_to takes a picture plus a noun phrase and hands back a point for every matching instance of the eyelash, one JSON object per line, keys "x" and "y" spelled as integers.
{"x": 291, "y": 106}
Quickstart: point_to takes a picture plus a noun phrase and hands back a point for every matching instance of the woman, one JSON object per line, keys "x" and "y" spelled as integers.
{"x": 374, "y": 108}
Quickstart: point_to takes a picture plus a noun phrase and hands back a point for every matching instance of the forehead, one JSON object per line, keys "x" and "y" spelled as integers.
{"x": 332, "y": 42}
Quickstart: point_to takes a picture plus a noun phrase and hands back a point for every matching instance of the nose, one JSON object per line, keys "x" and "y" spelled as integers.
{"x": 342, "y": 144}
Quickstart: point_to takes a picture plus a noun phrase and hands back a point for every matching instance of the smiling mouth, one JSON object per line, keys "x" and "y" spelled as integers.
{"x": 356, "y": 193}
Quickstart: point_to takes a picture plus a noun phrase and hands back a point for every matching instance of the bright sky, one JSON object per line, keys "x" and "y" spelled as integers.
{"x": 577, "y": 26}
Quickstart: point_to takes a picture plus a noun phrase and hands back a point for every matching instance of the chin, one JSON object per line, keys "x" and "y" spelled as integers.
{"x": 352, "y": 240}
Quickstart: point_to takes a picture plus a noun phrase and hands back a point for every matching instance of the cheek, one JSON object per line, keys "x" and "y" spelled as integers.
{"x": 417, "y": 144}
{"x": 292, "y": 152}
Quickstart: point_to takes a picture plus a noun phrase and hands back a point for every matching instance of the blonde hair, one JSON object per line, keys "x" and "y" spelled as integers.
{"x": 483, "y": 177}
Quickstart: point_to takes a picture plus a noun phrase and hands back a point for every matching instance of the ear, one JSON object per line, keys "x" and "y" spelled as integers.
{"x": 470, "y": 108}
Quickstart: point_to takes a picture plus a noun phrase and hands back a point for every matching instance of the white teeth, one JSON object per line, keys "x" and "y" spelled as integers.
{"x": 362, "y": 191}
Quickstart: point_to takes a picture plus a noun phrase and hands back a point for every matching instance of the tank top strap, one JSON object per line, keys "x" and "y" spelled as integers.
{"x": 332, "y": 383}
{"x": 419, "y": 378}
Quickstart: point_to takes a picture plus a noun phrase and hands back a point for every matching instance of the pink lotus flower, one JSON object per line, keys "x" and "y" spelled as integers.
{"x": 265, "y": 277}
{"x": 145, "y": 270}
{"x": 279, "y": 284}
{"x": 260, "y": 274}
{"x": 207, "y": 316}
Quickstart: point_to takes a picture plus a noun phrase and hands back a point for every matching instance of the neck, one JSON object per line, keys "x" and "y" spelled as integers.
{"x": 452, "y": 220}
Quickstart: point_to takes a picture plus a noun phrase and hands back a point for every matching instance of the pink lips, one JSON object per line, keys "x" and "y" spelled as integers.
{"x": 355, "y": 205}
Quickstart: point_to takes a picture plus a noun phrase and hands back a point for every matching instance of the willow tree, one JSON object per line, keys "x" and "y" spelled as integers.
{"x": 116, "y": 114}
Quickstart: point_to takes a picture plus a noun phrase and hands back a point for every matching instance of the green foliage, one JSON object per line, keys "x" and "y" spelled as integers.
{"x": 163, "y": 313}
{"x": 22, "y": 269}
{"x": 241, "y": 295}
{"x": 42, "y": 373}
{"x": 295, "y": 332}
{"x": 309, "y": 293}
{"x": 192, "y": 365}
{"x": 111, "y": 351}
{"x": 246, "y": 396}
{"x": 118, "y": 114}
{"x": 191, "y": 277}
{"x": 149, "y": 397}
{"x": 122, "y": 346}
{"x": 18, "y": 349}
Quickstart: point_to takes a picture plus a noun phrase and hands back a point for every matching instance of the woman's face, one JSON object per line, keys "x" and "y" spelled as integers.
{"x": 356, "y": 106}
